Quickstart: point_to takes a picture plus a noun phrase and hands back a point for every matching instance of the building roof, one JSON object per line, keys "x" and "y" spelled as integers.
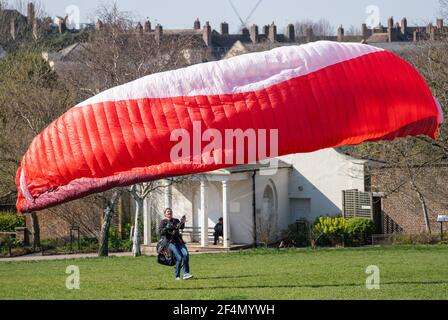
{"x": 72, "y": 48}
{"x": 258, "y": 166}
{"x": 378, "y": 38}
{"x": 402, "y": 46}
{"x": 183, "y": 31}
{"x": 8, "y": 14}
{"x": 241, "y": 48}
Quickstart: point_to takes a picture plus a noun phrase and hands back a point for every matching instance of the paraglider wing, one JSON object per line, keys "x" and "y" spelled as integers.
{"x": 318, "y": 95}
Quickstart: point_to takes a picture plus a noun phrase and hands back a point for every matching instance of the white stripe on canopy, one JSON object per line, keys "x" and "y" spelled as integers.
{"x": 245, "y": 73}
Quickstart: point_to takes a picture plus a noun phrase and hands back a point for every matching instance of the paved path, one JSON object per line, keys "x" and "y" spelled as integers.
{"x": 39, "y": 257}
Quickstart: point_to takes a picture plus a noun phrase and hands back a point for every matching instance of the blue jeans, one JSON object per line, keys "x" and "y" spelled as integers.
{"x": 180, "y": 251}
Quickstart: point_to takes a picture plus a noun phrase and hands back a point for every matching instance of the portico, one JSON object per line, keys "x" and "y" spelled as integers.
{"x": 205, "y": 189}
{"x": 248, "y": 198}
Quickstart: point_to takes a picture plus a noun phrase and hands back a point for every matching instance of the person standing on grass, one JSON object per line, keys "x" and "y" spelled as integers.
{"x": 169, "y": 229}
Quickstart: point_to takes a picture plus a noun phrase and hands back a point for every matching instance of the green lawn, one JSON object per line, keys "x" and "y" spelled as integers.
{"x": 406, "y": 273}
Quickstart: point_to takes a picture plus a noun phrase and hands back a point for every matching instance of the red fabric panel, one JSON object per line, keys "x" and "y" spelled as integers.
{"x": 94, "y": 148}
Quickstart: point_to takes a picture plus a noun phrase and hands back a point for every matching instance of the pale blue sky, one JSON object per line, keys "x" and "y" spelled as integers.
{"x": 173, "y": 14}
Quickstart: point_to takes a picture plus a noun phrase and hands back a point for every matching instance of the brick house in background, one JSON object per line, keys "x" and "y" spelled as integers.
{"x": 402, "y": 209}
{"x": 87, "y": 214}
{"x": 218, "y": 43}
{"x": 402, "y": 32}
{"x": 16, "y": 27}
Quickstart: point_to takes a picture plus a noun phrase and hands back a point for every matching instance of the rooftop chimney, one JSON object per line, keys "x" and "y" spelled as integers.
{"x": 207, "y": 34}
{"x": 159, "y": 32}
{"x": 404, "y": 26}
{"x": 266, "y": 30}
{"x": 224, "y": 28}
{"x": 341, "y": 33}
{"x": 197, "y": 24}
{"x": 254, "y": 33}
{"x": 365, "y": 31}
{"x": 148, "y": 26}
{"x": 390, "y": 23}
{"x": 291, "y": 32}
{"x": 272, "y": 32}
{"x": 139, "y": 28}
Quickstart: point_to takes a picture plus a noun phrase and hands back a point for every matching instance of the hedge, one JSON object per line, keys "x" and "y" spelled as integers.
{"x": 9, "y": 221}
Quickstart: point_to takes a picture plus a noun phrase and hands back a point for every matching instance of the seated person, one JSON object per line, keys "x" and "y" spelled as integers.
{"x": 219, "y": 229}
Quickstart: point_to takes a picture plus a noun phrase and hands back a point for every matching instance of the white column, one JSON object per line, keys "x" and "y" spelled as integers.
{"x": 168, "y": 195}
{"x": 204, "y": 215}
{"x": 226, "y": 213}
{"x": 146, "y": 223}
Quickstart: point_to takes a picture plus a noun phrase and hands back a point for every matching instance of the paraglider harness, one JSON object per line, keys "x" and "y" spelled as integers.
{"x": 164, "y": 255}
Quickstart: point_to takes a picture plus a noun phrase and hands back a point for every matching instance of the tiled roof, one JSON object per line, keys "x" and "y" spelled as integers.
{"x": 378, "y": 38}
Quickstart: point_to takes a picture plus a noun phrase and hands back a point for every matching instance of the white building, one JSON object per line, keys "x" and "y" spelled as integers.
{"x": 304, "y": 186}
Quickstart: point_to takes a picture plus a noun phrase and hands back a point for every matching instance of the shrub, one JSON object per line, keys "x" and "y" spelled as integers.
{"x": 89, "y": 244}
{"x": 49, "y": 244}
{"x": 9, "y": 221}
{"x": 127, "y": 230}
{"x": 359, "y": 229}
{"x": 296, "y": 235}
{"x": 118, "y": 245}
{"x": 330, "y": 231}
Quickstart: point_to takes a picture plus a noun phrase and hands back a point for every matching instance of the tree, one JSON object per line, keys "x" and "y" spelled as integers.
{"x": 107, "y": 218}
{"x": 353, "y": 31}
{"x": 321, "y": 28}
{"x": 35, "y": 230}
{"x": 30, "y": 98}
{"x": 139, "y": 193}
{"x": 443, "y": 8}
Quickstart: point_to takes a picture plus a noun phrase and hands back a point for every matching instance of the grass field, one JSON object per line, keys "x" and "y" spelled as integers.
{"x": 406, "y": 273}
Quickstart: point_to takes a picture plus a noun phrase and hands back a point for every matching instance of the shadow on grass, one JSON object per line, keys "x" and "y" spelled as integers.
{"x": 228, "y": 277}
{"x": 311, "y": 286}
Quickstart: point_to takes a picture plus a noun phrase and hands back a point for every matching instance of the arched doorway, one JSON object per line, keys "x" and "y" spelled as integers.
{"x": 267, "y": 219}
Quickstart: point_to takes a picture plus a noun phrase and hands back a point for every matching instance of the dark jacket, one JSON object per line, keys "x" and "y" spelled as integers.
{"x": 219, "y": 228}
{"x": 170, "y": 231}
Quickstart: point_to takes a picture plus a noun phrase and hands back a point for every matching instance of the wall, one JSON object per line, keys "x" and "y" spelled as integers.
{"x": 55, "y": 223}
{"x": 322, "y": 176}
{"x": 403, "y": 205}
{"x": 278, "y": 182}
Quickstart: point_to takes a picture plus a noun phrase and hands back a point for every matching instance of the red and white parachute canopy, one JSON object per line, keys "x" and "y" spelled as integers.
{"x": 318, "y": 95}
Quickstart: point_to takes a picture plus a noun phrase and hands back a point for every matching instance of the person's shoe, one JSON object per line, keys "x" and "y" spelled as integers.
{"x": 178, "y": 279}
{"x": 187, "y": 276}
